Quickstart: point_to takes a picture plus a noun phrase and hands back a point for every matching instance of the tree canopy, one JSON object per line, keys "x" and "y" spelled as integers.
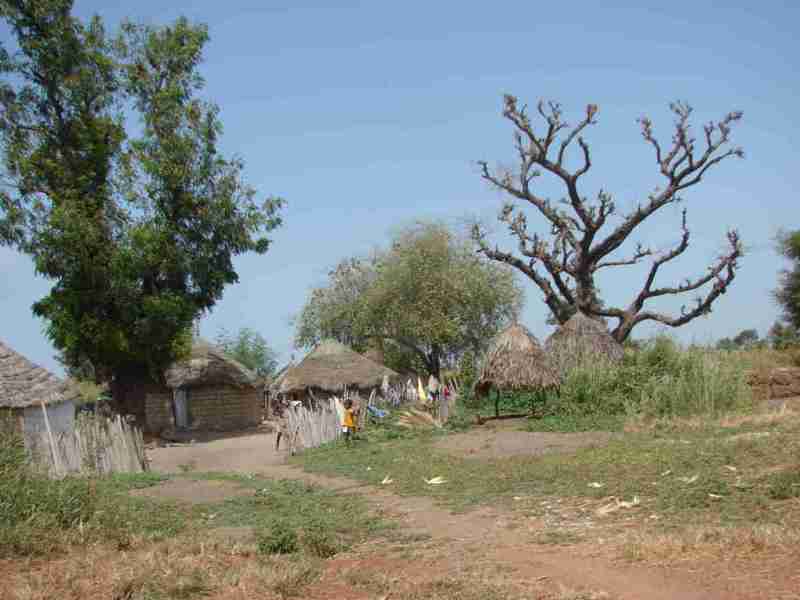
{"x": 584, "y": 234}
{"x": 426, "y": 299}
{"x": 788, "y": 292}
{"x": 249, "y": 348}
{"x": 115, "y": 185}
{"x": 745, "y": 339}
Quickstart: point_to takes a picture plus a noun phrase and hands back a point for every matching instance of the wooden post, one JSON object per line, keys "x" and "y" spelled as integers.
{"x": 497, "y": 403}
{"x": 53, "y": 449}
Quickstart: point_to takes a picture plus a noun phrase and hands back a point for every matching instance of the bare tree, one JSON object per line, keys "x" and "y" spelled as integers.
{"x": 564, "y": 266}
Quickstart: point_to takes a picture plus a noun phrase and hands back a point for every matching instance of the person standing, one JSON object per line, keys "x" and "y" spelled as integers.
{"x": 444, "y": 404}
{"x": 349, "y": 422}
{"x": 282, "y": 430}
{"x": 433, "y": 392}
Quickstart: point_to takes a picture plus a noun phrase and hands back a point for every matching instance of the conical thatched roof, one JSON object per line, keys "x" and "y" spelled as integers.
{"x": 330, "y": 367}
{"x": 208, "y": 365}
{"x": 580, "y": 339}
{"x": 375, "y": 355}
{"x": 24, "y": 384}
{"x": 515, "y": 361}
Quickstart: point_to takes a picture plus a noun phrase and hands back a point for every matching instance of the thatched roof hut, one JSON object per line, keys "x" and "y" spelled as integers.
{"x": 580, "y": 339}
{"x": 375, "y": 355}
{"x": 208, "y": 365}
{"x": 331, "y": 367}
{"x": 516, "y": 361}
{"x": 24, "y": 384}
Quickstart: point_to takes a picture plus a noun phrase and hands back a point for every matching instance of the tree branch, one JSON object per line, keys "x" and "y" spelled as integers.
{"x": 557, "y": 305}
{"x": 722, "y": 273}
{"x": 641, "y": 252}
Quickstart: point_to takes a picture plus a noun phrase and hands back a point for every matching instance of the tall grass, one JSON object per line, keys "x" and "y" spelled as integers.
{"x": 39, "y": 515}
{"x": 658, "y": 381}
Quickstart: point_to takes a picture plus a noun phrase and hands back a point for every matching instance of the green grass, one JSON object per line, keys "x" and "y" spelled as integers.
{"x": 573, "y": 423}
{"x": 291, "y": 516}
{"x": 648, "y": 464}
{"x": 39, "y": 516}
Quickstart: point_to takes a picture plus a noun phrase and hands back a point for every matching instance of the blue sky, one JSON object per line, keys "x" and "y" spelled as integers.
{"x": 368, "y": 115}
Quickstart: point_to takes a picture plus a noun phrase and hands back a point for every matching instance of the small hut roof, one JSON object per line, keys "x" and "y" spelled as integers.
{"x": 23, "y": 383}
{"x": 330, "y": 367}
{"x": 516, "y": 361}
{"x": 208, "y": 365}
{"x": 375, "y": 355}
{"x": 581, "y": 337}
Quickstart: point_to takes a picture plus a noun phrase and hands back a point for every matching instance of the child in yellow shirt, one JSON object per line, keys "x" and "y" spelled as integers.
{"x": 349, "y": 422}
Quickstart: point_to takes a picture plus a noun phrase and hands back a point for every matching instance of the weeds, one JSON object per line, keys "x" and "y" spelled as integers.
{"x": 290, "y": 579}
{"x": 658, "y": 381}
{"x": 39, "y": 515}
{"x": 279, "y": 539}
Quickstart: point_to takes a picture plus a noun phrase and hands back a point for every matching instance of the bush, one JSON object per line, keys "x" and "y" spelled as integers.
{"x": 319, "y": 541}
{"x": 280, "y": 538}
{"x": 659, "y": 380}
{"x": 784, "y": 485}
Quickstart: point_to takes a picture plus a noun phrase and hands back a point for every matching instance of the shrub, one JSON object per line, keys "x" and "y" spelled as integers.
{"x": 319, "y": 541}
{"x": 659, "y": 380}
{"x": 280, "y": 538}
{"x": 784, "y": 485}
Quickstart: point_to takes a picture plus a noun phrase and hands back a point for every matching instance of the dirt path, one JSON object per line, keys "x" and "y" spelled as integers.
{"x": 503, "y": 538}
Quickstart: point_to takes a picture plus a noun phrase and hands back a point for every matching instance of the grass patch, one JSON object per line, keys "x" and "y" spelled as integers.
{"x": 557, "y": 537}
{"x": 678, "y": 472}
{"x": 714, "y": 543}
{"x": 292, "y": 517}
{"x": 573, "y": 423}
{"x": 160, "y": 586}
{"x": 39, "y": 515}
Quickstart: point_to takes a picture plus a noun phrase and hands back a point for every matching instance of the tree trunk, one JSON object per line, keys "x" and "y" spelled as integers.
{"x": 129, "y": 388}
{"x": 435, "y": 362}
{"x": 497, "y": 403}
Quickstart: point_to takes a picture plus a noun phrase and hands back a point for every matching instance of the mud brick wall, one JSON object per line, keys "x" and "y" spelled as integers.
{"x": 158, "y": 411}
{"x": 224, "y": 407}
{"x": 775, "y": 384}
{"x": 210, "y": 407}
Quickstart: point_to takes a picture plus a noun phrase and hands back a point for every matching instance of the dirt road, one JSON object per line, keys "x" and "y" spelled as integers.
{"x": 502, "y": 538}
{"x": 239, "y": 454}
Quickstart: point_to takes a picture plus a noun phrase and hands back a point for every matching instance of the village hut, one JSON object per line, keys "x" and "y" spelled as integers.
{"x": 25, "y": 386}
{"x": 579, "y": 340}
{"x": 375, "y": 355}
{"x": 207, "y": 390}
{"x": 331, "y": 368}
{"x": 515, "y": 361}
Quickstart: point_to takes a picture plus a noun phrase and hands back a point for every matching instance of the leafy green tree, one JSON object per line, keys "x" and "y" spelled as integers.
{"x": 249, "y": 348}
{"x": 725, "y": 343}
{"x": 783, "y": 336}
{"x": 429, "y": 295}
{"x": 137, "y": 232}
{"x": 745, "y": 339}
{"x": 788, "y": 292}
{"x": 333, "y": 311}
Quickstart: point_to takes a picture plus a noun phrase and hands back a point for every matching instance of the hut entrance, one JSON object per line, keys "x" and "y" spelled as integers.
{"x": 181, "y": 408}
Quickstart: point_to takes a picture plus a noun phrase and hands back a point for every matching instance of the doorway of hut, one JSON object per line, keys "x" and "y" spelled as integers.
{"x": 180, "y": 407}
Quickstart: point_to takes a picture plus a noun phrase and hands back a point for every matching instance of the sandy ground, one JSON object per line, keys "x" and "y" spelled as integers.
{"x": 494, "y": 443}
{"x": 248, "y": 453}
{"x": 194, "y": 492}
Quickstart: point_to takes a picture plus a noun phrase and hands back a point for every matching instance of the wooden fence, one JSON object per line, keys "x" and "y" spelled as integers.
{"x": 96, "y": 445}
{"x": 309, "y": 428}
